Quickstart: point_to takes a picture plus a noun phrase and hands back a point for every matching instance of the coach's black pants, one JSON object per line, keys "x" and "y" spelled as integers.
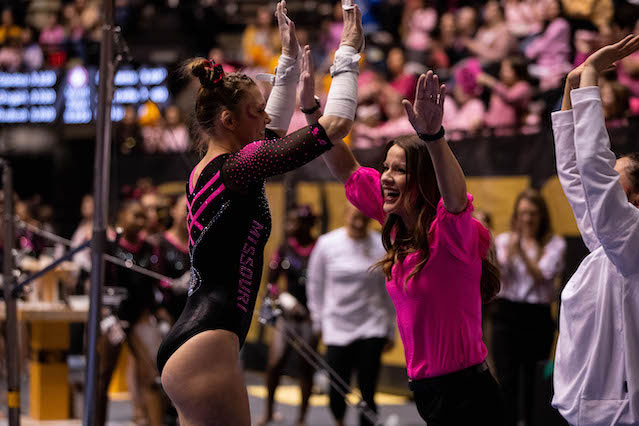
{"x": 522, "y": 335}
{"x": 364, "y": 356}
{"x": 463, "y": 398}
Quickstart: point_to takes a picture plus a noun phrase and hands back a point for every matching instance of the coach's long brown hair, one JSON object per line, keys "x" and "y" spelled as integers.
{"x": 422, "y": 195}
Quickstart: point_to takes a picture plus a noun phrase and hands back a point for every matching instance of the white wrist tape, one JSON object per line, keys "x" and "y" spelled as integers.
{"x": 342, "y": 96}
{"x": 348, "y": 5}
{"x": 281, "y": 102}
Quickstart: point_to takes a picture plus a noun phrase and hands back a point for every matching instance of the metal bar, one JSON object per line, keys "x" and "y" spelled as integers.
{"x": 18, "y": 288}
{"x": 46, "y": 234}
{"x": 100, "y": 196}
{"x": 140, "y": 270}
{"x": 107, "y": 257}
{"x": 13, "y": 347}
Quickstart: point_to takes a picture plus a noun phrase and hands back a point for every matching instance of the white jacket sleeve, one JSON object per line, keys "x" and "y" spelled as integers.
{"x": 614, "y": 220}
{"x": 564, "y": 130}
{"x": 315, "y": 282}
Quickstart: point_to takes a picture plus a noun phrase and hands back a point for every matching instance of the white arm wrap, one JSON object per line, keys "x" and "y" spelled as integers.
{"x": 281, "y": 102}
{"x": 342, "y": 96}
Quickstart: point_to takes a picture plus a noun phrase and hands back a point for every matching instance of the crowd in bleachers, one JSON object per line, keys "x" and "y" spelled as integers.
{"x": 52, "y": 40}
{"x": 504, "y": 61}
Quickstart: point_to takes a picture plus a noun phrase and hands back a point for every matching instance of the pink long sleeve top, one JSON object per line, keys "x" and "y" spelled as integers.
{"x": 551, "y": 52}
{"x": 439, "y": 309}
{"x": 508, "y": 104}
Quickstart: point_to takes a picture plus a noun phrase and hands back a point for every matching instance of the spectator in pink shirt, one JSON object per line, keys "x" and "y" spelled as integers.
{"x": 400, "y": 79}
{"x": 551, "y": 50}
{"x": 371, "y": 132}
{"x": 464, "y": 110}
{"x": 418, "y": 22}
{"x": 585, "y": 43}
{"x": 523, "y": 17}
{"x": 52, "y": 38}
{"x": 11, "y": 55}
{"x": 52, "y": 35}
{"x": 493, "y": 41}
{"x": 510, "y": 94}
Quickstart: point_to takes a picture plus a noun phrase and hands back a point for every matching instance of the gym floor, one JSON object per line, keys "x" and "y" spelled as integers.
{"x": 120, "y": 411}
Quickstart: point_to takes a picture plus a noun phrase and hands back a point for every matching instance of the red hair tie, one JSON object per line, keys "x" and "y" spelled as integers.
{"x": 218, "y": 71}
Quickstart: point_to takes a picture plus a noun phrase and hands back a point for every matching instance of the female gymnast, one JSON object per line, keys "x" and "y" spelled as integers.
{"x": 229, "y": 219}
{"x": 435, "y": 265}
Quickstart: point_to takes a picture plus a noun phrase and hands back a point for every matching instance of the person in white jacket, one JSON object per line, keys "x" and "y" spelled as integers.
{"x": 349, "y": 306}
{"x": 596, "y": 376}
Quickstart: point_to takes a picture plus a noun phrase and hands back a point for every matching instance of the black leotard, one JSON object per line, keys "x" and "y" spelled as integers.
{"x": 291, "y": 259}
{"x": 140, "y": 288}
{"x": 229, "y": 223}
{"x": 174, "y": 262}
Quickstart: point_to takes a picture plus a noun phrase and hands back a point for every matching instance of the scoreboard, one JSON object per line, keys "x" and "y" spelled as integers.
{"x": 70, "y": 96}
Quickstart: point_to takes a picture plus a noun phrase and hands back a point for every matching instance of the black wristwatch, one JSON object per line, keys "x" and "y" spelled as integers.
{"x": 426, "y": 137}
{"x": 313, "y": 109}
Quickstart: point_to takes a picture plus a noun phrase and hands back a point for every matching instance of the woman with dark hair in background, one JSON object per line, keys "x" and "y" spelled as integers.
{"x": 531, "y": 258}
{"x": 291, "y": 260}
{"x": 436, "y": 269}
{"x": 229, "y": 220}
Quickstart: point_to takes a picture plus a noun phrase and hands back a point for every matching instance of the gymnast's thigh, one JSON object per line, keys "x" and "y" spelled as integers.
{"x": 204, "y": 380}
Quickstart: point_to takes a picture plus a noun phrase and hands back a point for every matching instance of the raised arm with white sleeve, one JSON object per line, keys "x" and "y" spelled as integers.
{"x": 563, "y": 127}
{"x": 615, "y": 221}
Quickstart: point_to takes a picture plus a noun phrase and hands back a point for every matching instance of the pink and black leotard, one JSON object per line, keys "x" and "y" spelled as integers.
{"x": 229, "y": 223}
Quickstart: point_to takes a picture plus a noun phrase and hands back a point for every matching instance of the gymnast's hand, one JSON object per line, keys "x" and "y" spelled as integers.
{"x": 353, "y": 33}
{"x": 307, "y": 77}
{"x": 290, "y": 45}
{"x": 426, "y": 113}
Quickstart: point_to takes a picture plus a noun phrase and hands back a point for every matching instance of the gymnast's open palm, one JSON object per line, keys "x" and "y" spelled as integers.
{"x": 426, "y": 113}
{"x": 307, "y": 78}
{"x": 290, "y": 45}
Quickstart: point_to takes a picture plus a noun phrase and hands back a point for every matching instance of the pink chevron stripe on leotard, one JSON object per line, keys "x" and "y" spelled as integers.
{"x": 201, "y": 209}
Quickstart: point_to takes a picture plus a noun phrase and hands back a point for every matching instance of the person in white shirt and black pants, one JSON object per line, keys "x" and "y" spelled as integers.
{"x": 530, "y": 258}
{"x": 349, "y": 306}
{"x": 596, "y": 377}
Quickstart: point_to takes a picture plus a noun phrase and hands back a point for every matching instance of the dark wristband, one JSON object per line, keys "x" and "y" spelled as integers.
{"x": 313, "y": 109}
{"x": 426, "y": 137}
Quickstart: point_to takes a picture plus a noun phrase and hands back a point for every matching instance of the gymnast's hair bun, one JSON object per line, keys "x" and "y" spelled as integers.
{"x": 211, "y": 75}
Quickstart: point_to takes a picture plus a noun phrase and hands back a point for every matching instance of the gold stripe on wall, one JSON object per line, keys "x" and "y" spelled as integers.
{"x": 496, "y": 195}
{"x": 561, "y": 217}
